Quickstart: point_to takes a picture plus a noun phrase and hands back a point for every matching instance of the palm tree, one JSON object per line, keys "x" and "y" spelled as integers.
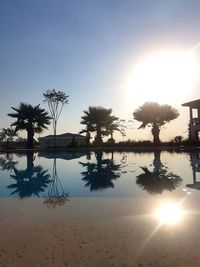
{"x": 33, "y": 119}
{"x": 155, "y": 115}
{"x": 98, "y": 119}
{"x": 115, "y": 126}
{"x": 7, "y": 135}
{"x": 87, "y": 130}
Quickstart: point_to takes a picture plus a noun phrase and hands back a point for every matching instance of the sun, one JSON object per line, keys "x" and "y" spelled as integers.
{"x": 163, "y": 76}
{"x": 169, "y": 213}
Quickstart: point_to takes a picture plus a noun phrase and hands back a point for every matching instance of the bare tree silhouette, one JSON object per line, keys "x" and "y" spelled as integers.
{"x": 55, "y": 100}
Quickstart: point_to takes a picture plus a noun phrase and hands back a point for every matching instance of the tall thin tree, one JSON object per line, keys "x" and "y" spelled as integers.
{"x": 55, "y": 100}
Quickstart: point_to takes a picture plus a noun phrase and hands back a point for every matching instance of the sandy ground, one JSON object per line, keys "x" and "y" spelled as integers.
{"x": 97, "y": 232}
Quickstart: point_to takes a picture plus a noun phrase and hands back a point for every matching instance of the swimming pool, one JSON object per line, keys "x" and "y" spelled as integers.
{"x": 99, "y": 174}
{"x": 100, "y": 209}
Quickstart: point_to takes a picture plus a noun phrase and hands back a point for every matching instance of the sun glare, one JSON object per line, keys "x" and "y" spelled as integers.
{"x": 169, "y": 213}
{"x": 163, "y": 76}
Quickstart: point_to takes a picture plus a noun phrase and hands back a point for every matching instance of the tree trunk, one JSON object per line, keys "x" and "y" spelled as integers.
{"x": 99, "y": 156}
{"x": 111, "y": 135}
{"x": 30, "y": 165}
{"x": 7, "y": 144}
{"x": 155, "y": 132}
{"x": 54, "y": 133}
{"x": 112, "y": 157}
{"x": 157, "y": 162}
{"x": 87, "y": 139}
{"x": 54, "y": 167}
{"x": 98, "y": 137}
{"x": 112, "y": 140}
{"x": 30, "y": 135}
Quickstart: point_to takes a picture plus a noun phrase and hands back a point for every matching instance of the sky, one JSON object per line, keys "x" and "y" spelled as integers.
{"x": 90, "y": 49}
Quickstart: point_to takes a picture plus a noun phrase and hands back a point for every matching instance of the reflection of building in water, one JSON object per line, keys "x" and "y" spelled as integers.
{"x": 195, "y": 164}
{"x": 194, "y": 124}
{"x": 63, "y": 155}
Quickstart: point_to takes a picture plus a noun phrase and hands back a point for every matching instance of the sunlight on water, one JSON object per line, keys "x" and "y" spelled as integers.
{"x": 170, "y": 213}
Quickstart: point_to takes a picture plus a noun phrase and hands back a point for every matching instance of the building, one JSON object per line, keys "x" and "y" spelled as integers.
{"x": 62, "y": 140}
{"x": 194, "y": 123}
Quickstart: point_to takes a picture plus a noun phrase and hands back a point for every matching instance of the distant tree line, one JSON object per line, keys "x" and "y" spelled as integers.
{"x": 96, "y": 120}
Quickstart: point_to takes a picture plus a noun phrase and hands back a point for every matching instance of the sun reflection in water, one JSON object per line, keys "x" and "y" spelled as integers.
{"x": 170, "y": 213}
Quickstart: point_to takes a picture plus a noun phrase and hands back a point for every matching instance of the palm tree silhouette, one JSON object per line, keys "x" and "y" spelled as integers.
{"x": 100, "y": 175}
{"x": 33, "y": 119}
{"x": 99, "y": 119}
{"x": 7, "y": 163}
{"x": 31, "y": 181}
{"x": 155, "y": 115}
{"x": 88, "y": 129}
{"x": 158, "y": 180}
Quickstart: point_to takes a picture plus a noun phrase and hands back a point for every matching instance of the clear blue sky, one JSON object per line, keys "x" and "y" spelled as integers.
{"x": 86, "y": 48}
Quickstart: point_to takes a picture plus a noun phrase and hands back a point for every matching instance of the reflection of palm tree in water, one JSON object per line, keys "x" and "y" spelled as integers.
{"x": 31, "y": 181}
{"x": 7, "y": 163}
{"x": 159, "y": 179}
{"x": 56, "y": 195}
{"x": 100, "y": 175}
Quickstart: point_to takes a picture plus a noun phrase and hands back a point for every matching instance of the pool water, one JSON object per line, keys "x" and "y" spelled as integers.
{"x": 63, "y": 175}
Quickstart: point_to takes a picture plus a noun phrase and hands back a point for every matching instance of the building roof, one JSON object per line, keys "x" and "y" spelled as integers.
{"x": 67, "y": 135}
{"x": 192, "y": 104}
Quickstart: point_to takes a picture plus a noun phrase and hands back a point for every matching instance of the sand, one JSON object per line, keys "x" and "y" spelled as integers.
{"x": 97, "y": 232}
